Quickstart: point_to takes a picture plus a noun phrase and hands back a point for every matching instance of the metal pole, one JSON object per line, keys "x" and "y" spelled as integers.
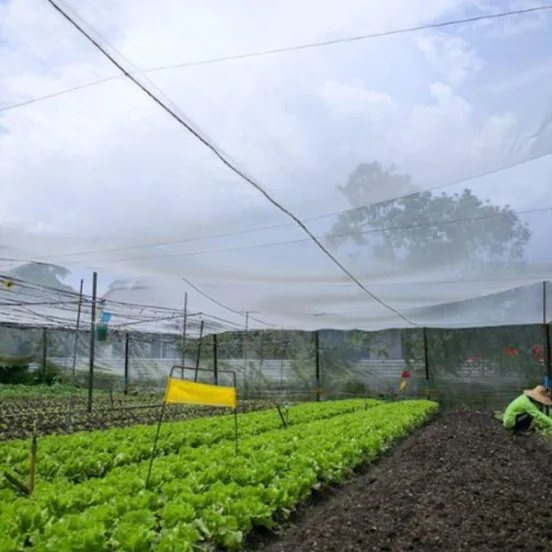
{"x": 44, "y": 352}
{"x": 92, "y": 339}
{"x": 282, "y": 353}
{"x": 245, "y": 350}
{"x": 199, "y": 349}
{"x": 317, "y": 363}
{"x": 127, "y": 355}
{"x": 546, "y": 332}
{"x": 426, "y": 361}
{"x": 184, "y": 329}
{"x": 154, "y": 450}
{"x": 215, "y": 358}
{"x": 76, "y": 348}
{"x": 235, "y": 417}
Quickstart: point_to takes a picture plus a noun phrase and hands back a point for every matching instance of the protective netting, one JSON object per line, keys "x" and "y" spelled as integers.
{"x": 479, "y": 366}
{"x": 419, "y": 160}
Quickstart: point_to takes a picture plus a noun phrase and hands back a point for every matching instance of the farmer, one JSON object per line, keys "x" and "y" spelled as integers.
{"x": 526, "y": 410}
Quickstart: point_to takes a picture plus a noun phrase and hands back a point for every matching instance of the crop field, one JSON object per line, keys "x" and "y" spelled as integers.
{"x": 65, "y": 411}
{"x": 90, "y": 490}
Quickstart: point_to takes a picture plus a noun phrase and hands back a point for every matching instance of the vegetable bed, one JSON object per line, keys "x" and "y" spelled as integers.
{"x": 201, "y": 494}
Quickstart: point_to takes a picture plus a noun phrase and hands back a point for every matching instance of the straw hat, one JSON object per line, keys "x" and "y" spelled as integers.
{"x": 539, "y": 394}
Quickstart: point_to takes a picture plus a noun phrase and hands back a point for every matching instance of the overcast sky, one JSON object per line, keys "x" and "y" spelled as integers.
{"x": 104, "y": 171}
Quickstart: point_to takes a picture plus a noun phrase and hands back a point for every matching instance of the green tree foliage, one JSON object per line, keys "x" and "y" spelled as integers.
{"x": 423, "y": 228}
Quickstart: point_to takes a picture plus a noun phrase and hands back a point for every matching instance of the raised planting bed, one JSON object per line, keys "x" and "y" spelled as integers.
{"x": 201, "y": 494}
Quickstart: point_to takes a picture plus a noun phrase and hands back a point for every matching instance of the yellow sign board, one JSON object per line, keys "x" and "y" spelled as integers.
{"x": 182, "y": 391}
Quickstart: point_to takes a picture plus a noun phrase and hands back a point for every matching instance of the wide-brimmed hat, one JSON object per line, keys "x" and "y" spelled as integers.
{"x": 539, "y": 394}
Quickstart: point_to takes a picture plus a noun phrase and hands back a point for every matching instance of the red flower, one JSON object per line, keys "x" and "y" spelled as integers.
{"x": 537, "y": 350}
{"x": 511, "y": 351}
{"x": 405, "y": 374}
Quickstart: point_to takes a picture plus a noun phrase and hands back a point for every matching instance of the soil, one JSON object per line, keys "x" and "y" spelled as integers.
{"x": 463, "y": 483}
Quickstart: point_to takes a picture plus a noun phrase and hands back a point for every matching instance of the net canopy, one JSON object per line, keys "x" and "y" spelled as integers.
{"x": 313, "y": 164}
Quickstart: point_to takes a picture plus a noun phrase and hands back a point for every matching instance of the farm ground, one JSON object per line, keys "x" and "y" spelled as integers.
{"x": 462, "y": 483}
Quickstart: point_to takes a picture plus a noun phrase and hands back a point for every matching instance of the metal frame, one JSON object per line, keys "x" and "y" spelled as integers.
{"x": 164, "y": 405}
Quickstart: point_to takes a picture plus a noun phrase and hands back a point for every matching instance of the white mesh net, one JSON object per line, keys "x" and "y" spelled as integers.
{"x": 371, "y": 143}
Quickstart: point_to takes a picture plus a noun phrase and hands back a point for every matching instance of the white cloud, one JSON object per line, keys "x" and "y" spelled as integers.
{"x": 346, "y": 99}
{"x": 105, "y": 167}
{"x": 451, "y": 56}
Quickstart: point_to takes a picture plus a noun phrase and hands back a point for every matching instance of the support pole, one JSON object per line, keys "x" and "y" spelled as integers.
{"x": 215, "y": 358}
{"x": 76, "y": 346}
{"x": 44, "y": 352}
{"x": 127, "y": 361}
{"x": 92, "y": 339}
{"x": 546, "y": 334}
{"x": 184, "y": 330}
{"x": 154, "y": 449}
{"x": 199, "y": 349}
{"x": 426, "y": 361}
{"x": 317, "y": 363}
{"x": 245, "y": 351}
{"x": 34, "y": 448}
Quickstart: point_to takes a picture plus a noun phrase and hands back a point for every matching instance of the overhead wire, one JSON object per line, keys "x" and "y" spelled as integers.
{"x": 284, "y": 49}
{"x": 230, "y": 165}
{"x": 296, "y": 220}
{"x": 413, "y": 226}
{"x": 62, "y": 256}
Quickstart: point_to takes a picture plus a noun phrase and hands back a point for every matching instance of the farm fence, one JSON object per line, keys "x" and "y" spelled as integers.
{"x": 476, "y": 366}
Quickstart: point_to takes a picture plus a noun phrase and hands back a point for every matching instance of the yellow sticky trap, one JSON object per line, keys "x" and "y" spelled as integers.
{"x": 181, "y": 391}
{"x": 403, "y": 385}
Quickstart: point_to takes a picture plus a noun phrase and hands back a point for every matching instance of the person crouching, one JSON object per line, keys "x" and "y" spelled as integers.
{"x": 524, "y": 413}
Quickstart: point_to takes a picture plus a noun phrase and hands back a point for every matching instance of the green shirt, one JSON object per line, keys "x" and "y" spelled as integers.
{"x": 524, "y": 405}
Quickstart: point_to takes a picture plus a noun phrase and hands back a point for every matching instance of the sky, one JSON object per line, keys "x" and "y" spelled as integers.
{"x": 102, "y": 178}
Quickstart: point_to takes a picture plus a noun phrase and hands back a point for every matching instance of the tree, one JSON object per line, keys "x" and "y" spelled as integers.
{"x": 422, "y": 229}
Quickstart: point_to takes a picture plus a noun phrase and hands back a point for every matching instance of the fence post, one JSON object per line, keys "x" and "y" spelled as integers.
{"x": 317, "y": 362}
{"x": 426, "y": 361}
{"x": 546, "y": 335}
{"x": 127, "y": 353}
{"x": 199, "y": 343}
{"x": 215, "y": 358}
{"x": 44, "y": 352}
{"x": 244, "y": 354}
{"x": 92, "y": 339}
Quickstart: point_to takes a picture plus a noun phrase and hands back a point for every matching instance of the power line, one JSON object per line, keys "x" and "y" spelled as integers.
{"x": 413, "y": 226}
{"x": 230, "y": 309}
{"x": 275, "y": 51}
{"x": 343, "y": 212}
{"x": 229, "y": 164}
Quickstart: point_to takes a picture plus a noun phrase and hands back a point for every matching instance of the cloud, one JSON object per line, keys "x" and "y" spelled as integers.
{"x": 346, "y": 99}
{"x": 105, "y": 168}
{"x": 452, "y": 57}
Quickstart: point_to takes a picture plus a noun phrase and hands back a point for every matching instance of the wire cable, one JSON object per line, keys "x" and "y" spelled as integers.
{"x": 228, "y": 163}
{"x": 62, "y": 256}
{"x": 357, "y": 233}
{"x": 274, "y": 51}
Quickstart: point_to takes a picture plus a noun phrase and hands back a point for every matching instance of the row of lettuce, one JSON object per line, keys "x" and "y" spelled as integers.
{"x": 94, "y": 454}
{"x": 203, "y": 494}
